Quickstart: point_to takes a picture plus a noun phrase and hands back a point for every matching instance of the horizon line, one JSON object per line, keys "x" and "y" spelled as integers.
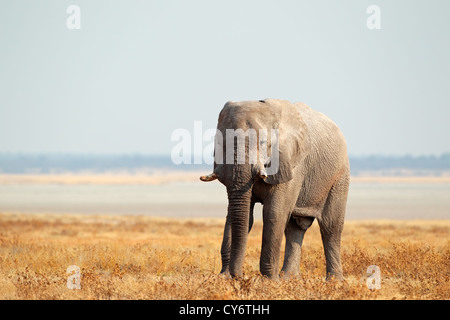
{"x": 159, "y": 154}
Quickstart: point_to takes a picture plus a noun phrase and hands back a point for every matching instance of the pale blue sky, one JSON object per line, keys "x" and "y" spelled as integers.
{"x": 137, "y": 70}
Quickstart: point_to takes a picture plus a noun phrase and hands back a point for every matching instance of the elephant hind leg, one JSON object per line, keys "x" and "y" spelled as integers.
{"x": 294, "y": 232}
{"x": 331, "y": 225}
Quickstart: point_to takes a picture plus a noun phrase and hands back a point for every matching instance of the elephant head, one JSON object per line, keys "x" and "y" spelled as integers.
{"x": 240, "y": 161}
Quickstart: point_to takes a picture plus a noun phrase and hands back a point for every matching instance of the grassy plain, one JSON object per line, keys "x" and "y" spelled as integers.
{"x": 141, "y": 257}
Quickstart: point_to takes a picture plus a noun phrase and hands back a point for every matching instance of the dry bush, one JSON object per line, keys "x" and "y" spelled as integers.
{"x": 137, "y": 257}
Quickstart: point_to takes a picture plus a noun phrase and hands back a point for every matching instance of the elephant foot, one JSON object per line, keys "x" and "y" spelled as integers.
{"x": 225, "y": 272}
{"x": 334, "y": 277}
{"x": 274, "y": 277}
{"x": 287, "y": 275}
{"x": 225, "y": 275}
{"x": 271, "y": 275}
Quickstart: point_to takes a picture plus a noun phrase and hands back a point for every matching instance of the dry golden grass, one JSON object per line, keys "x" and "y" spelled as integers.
{"x": 139, "y": 257}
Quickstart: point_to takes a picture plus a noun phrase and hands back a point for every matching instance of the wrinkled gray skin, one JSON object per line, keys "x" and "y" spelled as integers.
{"x": 311, "y": 183}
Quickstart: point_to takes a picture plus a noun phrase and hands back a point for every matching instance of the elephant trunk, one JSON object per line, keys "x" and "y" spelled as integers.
{"x": 239, "y": 203}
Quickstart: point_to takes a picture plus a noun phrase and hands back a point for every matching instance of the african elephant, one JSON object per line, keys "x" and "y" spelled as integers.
{"x": 311, "y": 182}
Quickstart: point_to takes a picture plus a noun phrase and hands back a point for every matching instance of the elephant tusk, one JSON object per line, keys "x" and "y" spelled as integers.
{"x": 209, "y": 177}
{"x": 262, "y": 174}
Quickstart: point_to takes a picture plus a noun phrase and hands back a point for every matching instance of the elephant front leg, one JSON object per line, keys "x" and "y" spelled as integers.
{"x": 274, "y": 224}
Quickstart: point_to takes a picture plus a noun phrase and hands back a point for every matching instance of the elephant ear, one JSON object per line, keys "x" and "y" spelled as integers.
{"x": 293, "y": 142}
